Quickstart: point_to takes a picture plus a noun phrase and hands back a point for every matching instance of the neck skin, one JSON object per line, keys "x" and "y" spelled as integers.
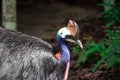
{"x": 64, "y": 54}
{"x": 64, "y": 50}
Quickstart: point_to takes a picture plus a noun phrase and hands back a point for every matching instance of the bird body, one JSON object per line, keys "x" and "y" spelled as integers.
{"x": 24, "y": 57}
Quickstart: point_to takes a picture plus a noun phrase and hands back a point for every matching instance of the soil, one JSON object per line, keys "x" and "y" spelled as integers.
{"x": 43, "y": 20}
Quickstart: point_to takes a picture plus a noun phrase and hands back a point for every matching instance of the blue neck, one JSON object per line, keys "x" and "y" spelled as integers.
{"x": 64, "y": 50}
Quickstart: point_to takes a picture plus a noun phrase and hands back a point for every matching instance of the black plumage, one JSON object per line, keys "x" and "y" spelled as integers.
{"x": 24, "y": 57}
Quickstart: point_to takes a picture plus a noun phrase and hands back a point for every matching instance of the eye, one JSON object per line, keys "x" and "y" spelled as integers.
{"x": 61, "y": 33}
{"x": 68, "y": 36}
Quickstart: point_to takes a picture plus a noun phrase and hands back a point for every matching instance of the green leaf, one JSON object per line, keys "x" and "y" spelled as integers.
{"x": 99, "y": 63}
{"x": 110, "y": 23}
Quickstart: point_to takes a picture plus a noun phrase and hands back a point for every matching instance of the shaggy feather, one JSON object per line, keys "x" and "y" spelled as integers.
{"x": 24, "y": 57}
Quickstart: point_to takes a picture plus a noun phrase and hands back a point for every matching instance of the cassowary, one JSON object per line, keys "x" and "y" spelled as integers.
{"x": 24, "y": 57}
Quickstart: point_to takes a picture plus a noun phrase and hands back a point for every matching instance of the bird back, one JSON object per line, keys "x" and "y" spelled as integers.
{"x": 24, "y": 57}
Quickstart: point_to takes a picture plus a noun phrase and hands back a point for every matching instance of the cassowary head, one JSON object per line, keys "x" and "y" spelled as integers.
{"x": 70, "y": 33}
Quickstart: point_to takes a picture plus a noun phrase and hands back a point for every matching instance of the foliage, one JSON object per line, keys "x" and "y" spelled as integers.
{"x": 112, "y": 14}
{"x": 108, "y": 48}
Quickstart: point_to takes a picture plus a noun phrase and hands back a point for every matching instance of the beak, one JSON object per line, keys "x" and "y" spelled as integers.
{"x": 79, "y": 43}
{"x": 76, "y": 41}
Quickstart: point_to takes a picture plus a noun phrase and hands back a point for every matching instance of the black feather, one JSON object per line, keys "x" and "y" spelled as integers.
{"x": 24, "y": 57}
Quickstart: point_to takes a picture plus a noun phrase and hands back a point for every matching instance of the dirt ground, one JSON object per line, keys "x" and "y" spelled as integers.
{"x": 44, "y": 20}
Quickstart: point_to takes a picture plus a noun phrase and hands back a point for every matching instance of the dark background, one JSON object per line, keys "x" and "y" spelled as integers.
{"x": 42, "y": 18}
